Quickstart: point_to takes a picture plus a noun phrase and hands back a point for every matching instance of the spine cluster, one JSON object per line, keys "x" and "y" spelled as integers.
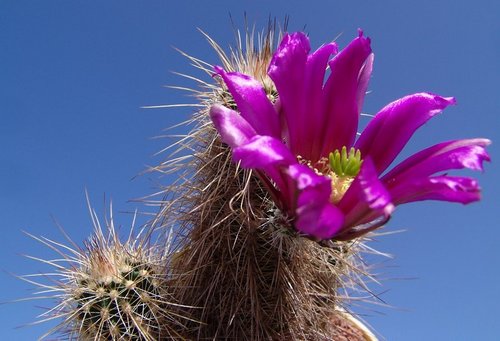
{"x": 123, "y": 305}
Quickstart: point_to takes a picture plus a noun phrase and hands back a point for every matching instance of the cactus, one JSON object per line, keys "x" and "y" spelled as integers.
{"x": 237, "y": 258}
{"x": 109, "y": 290}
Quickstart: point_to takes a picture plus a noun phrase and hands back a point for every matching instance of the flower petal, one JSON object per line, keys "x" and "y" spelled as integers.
{"x": 309, "y": 142}
{"x": 233, "y": 128}
{"x": 445, "y": 188}
{"x": 263, "y": 151}
{"x": 287, "y": 70}
{"x": 322, "y": 221}
{"x": 252, "y": 102}
{"x": 269, "y": 155}
{"x": 365, "y": 195}
{"x": 305, "y": 177}
{"x": 316, "y": 216}
{"x": 343, "y": 94}
{"x": 363, "y": 80}
{"x": 299, "y": 80}
{"x": 467, "y": 153}
{"x": 389, "y": 131}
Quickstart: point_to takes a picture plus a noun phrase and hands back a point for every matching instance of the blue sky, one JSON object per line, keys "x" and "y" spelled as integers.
{"x": 75, "y": 74}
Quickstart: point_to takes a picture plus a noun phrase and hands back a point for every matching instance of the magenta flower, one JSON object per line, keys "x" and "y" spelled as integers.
{"x": 304, "y": 145}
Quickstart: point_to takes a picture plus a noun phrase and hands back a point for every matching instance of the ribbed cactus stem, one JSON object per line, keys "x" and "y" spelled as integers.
{"x": 122, "y": 304}
{"x": 109, "y": 289}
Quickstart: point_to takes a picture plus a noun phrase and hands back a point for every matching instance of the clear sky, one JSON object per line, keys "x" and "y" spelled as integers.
{"x": 74, "y": 74}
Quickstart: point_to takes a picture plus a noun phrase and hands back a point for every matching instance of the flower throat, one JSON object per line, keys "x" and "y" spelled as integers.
{"x": 342, "y": 168}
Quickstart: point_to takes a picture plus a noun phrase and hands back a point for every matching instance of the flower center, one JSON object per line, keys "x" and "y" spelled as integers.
{"x": 343, "y": 168}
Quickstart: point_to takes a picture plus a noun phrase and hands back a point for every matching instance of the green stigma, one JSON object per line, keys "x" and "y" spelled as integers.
{"x": 344, "y": 164}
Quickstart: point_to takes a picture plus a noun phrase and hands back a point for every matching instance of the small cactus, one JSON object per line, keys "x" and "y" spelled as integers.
{"x": 109, "y": 290}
